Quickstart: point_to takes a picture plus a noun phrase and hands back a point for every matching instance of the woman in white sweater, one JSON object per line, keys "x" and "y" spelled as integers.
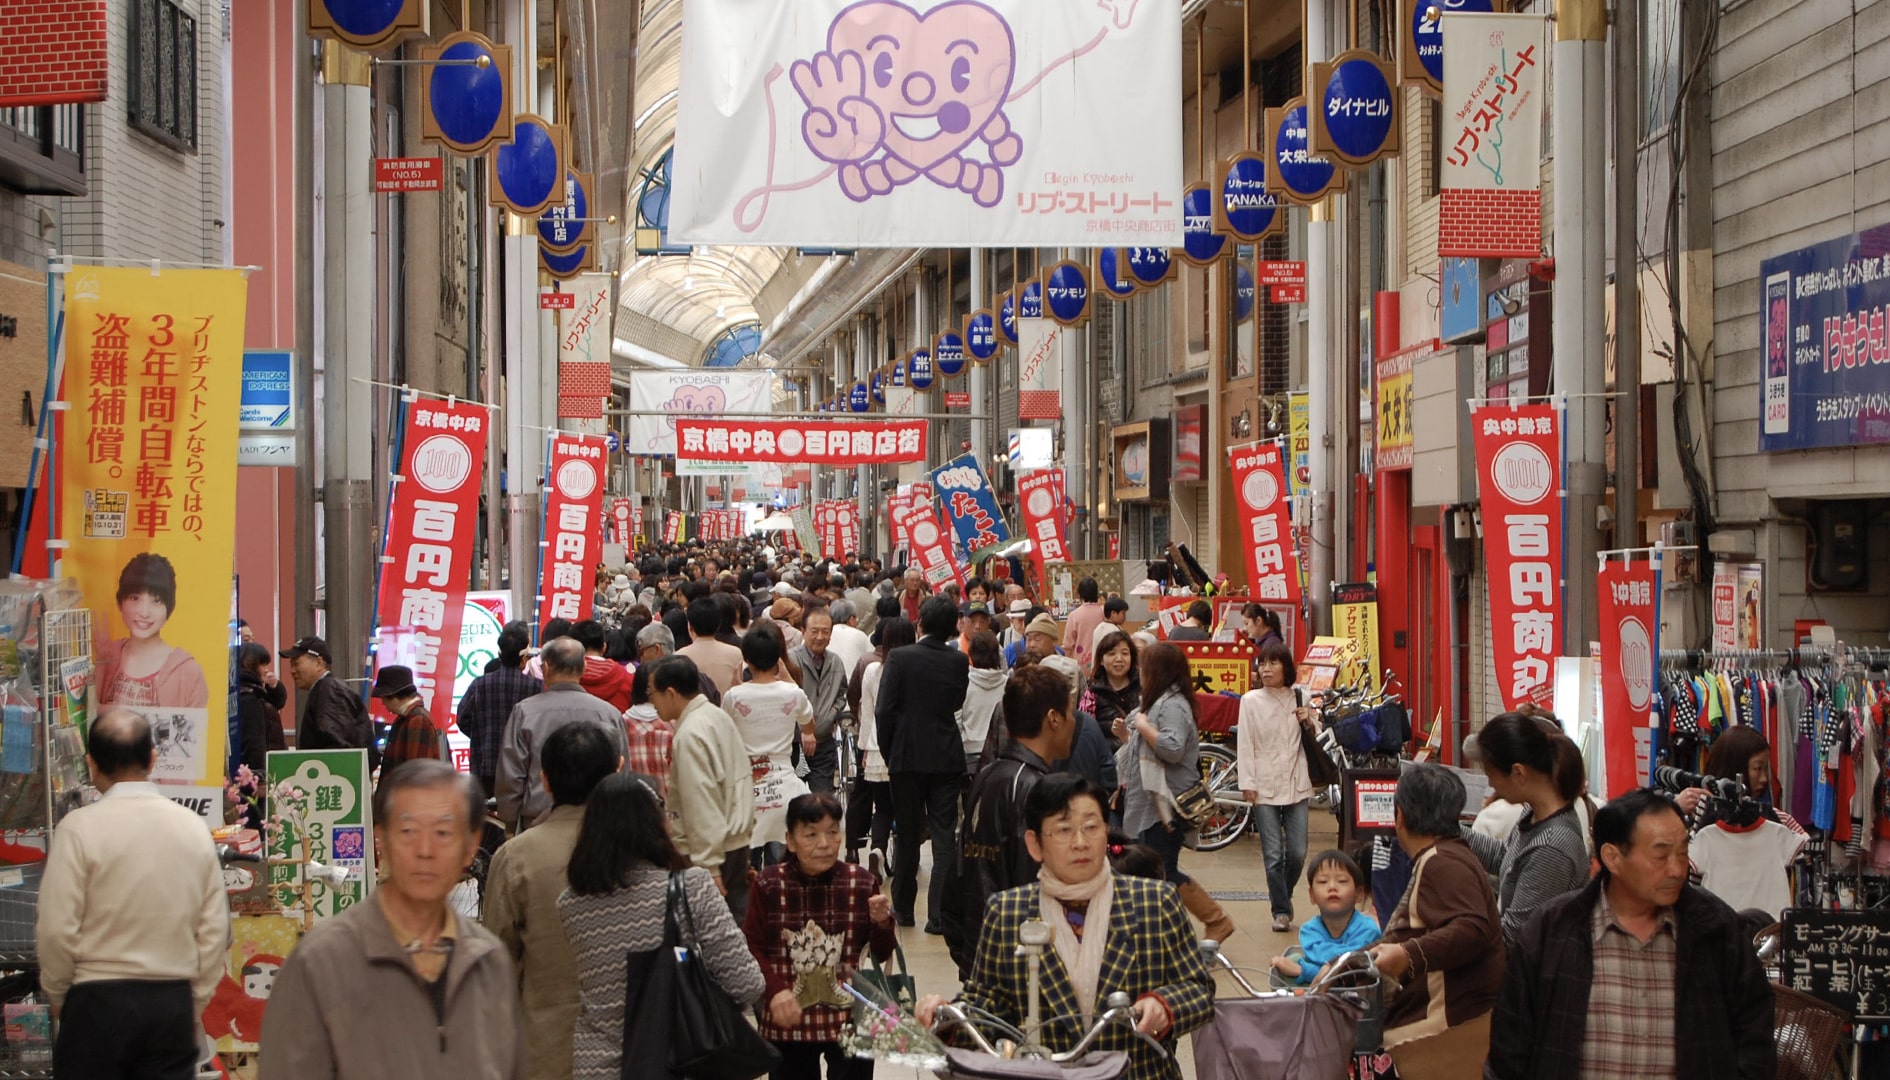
{"x": 872, "y": 796}
{"x": 1273, "y": 775}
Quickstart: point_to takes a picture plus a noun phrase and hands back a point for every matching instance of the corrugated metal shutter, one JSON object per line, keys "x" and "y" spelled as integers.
{"x": 1005, "y": 366}
{"x": 1486, "y": 697}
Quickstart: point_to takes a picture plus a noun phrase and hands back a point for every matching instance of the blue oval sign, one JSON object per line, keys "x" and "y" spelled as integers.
{"x": 1302, "y": 173}
{"x": 467, "y": 103}
{"x": 1199, "y": 242}
{"x": 1112, "y": 274}
{"x": 1243, "y": 293}
{"x": 981, "y": 336}
{"x": 899, "y": 375}
{"x": 528, "y": 171}
{"x": 562, "y": 225}
{"x": 1426, "y": 37}
{"x": 879, "y": 388}
{"x": 564, "y": 264}
{"x": 859, "y": 399}
{"x": 919, "y": 369}
{"x": 1247, "y": 208}
{"x": 1066, "y": 293}
{"x": 1007, "y": 317}
{"x": 366, "y": 21}
{"x": 948, "y": 352}
{"x": 1030, "y": 300}
{"x": 1148, "y": 266}
{"x": 1359, "y": 109}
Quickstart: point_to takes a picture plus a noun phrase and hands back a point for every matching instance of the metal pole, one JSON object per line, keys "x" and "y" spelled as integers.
{"x": 524, "y": 446}
{"x": 304, "y": 105}
{"x": 1627, "y": 284}
{"x": 1320, "y": 360}
{"x": 348, "y": 280}
{"x": 980, "y": 377}
{"x": 1581, "y": 201}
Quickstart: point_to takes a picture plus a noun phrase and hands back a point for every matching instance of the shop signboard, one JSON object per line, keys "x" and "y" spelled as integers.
{"x": 268, "y": 399}
{"x": 1725, "y": 605}
{"x": 1220, "y": 667}
{"x": 1825, "y": 359}
{"x": 1519, "y": 479}
{"x": 333, "y": 812}
{"x": 574, "y": 505}
{"x": 1201, "y": 244}
{"x": 148, "y": 492}
{"x": 970, "y": 504}
{"x": 1396, "y": 435}
{"x": 1369, "y": 795}
{"x": 1489, "y": 180}
{"x": 1421, "y": 61}
{"x": 1039, "y": 369}
{"x": 981, "y": 336}
{"x": 1355, "y": 618}
{"x": 1247, "y": 210}
{"x": 1023, "y": 100}
{"x": 1112, "y": 273}
{"x": 1294, "y": 171}
{"x": 1629, "y": 615}
{"x": 1266, "y": 526}
{"x": 804, "y": 534}
{"x": 1355, "y": 118}
{"x": 844, "y": 443}
{"x": 396, "y": 175}
{"x": 1299, "y": 424}
{"x": 1325, "y": 659}
{"x": 1839, "y": 957}
{"x": 658, "y": 399}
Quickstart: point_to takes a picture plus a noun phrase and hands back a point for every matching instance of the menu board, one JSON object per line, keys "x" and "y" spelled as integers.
{"x": 1840, "y": 957}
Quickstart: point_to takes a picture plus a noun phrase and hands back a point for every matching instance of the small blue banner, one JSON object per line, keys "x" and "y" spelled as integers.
{"x": 970, "y": 504}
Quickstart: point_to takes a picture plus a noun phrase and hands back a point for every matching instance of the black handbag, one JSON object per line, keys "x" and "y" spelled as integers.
{"x": 708, "y": 1037}
{"x": 1321, "y": 770}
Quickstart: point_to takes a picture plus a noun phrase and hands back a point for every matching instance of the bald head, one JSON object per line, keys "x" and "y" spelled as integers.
{"x": 564, "y": 660}
{"x": 120, "y": 747}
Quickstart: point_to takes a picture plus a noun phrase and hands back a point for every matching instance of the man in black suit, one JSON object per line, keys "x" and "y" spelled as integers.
{"x": 921, "y": 689}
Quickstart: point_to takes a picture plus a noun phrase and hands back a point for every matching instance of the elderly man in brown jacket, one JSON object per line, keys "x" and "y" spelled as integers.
{"x": 399, "y": 987}
{"x": 521, "y": 905}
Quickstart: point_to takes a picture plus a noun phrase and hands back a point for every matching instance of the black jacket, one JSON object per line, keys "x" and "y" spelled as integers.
{"x": 991, "y": 852}
{"x": 258, "y": 725}
{"x": 1723, "y": 1028}
{"x": 921, "y": 689}
{"x": 333, "y": 717}
{"x": 1108, "y": 704}
{"x": 1091, "y": 755}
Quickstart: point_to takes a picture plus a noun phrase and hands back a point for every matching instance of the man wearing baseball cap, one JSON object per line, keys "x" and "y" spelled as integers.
{"x": 333, "y": 717}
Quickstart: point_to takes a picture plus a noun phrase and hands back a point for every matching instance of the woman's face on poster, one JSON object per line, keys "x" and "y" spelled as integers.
{"x": 144, "y": 614}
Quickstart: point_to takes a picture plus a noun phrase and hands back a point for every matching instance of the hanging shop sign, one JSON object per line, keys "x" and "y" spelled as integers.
{"x": 675, "y": 524}
{"x": 147, "y": 492}
{"x": 1355, "y": 618}
{"x": 567, "y": 266}
{"x": 1030, "y": 299}
{"x": 427, "y": 561}
{"x": 877, "y": 387}
{"x": 1629, "y": 608}
{"x": 1266, "y": 525}
{"x": 464, "y": 107}
{"x": 1040, "y": 493}
{"x": 584, "y": 349}
{"x": 859, "y": 398}
{"x": 659, "y": 398}
{"x": 948, "y": 353}
{"x": 1200, "y": 244}
{"x": 898, "y": 381}
{"x": 527, "y": 173}
{"x": 621, "y": 527}
{"x": 1489, "y": 182}
{"x": 330, "y": 821}
{"x": 1007, "y": 316}
{"x": 1247, "y": 208}
{"x": 1294, "y": 171}
{"x": 1299, "y": 440}
{"x": 574, "y": 507}
{"x": 567, "y": 223}
{"x": 1825, "y": 376}
{"x": 1519, "y": 479}
{"x": 1356, "y": 119}
{"x": 1149, "y": 266}
{"x": 926, "y": 543}
{"x": 920, "y": 370}
{"x": 1039, "y": 370}
{"x": 981, "y": 335}
{"x": 1112, "y": 274}
{"x": 369, "y": 25}
{"x": 957, "y": 399}
{"x": 1066, "y": 293}
{"x": 1022, "y": 108}
{"x": 1396, "y": 435}
{"x": 1421, "y": 55}
{"x": 813, "y": 442}
{"x": 970, "y": 505}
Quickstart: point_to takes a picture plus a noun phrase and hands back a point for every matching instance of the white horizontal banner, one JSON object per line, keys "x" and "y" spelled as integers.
{"x": 824, "y": 123}
{"x": 658, "y": 397}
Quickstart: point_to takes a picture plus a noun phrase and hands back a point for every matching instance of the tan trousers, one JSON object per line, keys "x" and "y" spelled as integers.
{"x": 1452, "y": 1054}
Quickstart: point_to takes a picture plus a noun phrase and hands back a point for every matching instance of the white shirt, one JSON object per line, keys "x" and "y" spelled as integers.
{"x": 850, "y": 644}
{"x": 1747, "y": 868}
{"x": 132, "y": 890}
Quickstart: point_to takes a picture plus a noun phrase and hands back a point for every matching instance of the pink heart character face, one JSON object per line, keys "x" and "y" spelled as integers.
{"x": 938, "y": 79}
{"x": 701, "y": 400}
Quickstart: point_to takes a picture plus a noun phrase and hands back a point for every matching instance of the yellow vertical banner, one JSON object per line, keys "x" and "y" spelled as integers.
{"x": 1355, "y": 618}
{"x": 154, "y": 363}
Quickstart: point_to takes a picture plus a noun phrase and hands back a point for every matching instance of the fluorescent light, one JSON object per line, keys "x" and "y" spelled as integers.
{"x": 638, "y": 354}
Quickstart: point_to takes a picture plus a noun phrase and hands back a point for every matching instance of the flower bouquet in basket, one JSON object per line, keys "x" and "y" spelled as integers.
{"x": 880, "y": 1029}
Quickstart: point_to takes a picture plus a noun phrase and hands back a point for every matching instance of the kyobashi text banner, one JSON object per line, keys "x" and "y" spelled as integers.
{"x": 814, "y": 442}
{"x": 877, "y": 124}
{"x": 657, "y": 398}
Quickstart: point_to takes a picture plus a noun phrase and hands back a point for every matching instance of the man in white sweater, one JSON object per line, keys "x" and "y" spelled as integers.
{"x": 711, "y": 783}
{"x": 133, "y": 924}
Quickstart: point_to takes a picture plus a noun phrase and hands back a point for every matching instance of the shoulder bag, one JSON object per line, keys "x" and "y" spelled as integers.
{"x": 1320, "y": 769}
{"x": 708, "y": 1037}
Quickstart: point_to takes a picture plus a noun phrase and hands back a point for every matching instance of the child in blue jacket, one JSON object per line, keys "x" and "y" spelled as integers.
{"x": 1335, "y": 882}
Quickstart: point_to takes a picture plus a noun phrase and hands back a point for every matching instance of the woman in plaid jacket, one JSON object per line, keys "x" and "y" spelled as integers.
{"x": 1111, "y": 933}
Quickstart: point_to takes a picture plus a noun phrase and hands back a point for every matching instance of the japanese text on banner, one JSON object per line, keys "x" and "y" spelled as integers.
{"x": 574, "y": 498}
{"x": 970, "y": 505}
{"x": 929, "y": 549}
{"x": 1266, "y": 524}
{"x": 1628, "y": 613}
{"x": 1519, "y": 478}
{"x": 148, "y": 494}
{"x": 1040, "y": 494}
{"x": 816, "y": 442}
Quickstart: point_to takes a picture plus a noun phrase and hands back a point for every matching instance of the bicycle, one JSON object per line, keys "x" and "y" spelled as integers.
{"x": 492, "y": 834}
{"x": 1342, "y": 1017}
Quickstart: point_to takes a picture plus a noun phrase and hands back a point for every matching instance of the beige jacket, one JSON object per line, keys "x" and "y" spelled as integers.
{"x": 711, "y": 786}
{"x": 347, "y": 1005}
{"x": 521, "y": 910}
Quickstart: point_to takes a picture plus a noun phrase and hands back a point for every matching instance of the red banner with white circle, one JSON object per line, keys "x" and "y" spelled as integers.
{"x": 1265, "y": 522}
{"x": 1629, "y": 614}
{"x": 620, "y": 518}
{"x": 930, "y": 550}
{"x": 814, "y": 442}
{"x": 1519, "y": 479}
{"x": 574, "y": 499}
{"x": 1041, "y": 493}
{"x": 427, "y": 563}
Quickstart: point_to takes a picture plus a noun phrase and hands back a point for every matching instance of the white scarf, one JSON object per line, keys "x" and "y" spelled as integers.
{"x": 1082, "y": 957}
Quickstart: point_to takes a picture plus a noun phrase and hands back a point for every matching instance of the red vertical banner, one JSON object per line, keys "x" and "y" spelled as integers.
{"x": 621, "y": 529}
{"x": 1041, "y": 493}
{"x": 895, "y": 503}
{"x": 1519, "y": 479}
{"x": 1628, "y": 615}
{"x": 846, "y": 528}
{"x": 427, "y": 563}
{"x": 931, "y": 551}
{"x": 1266, "y": 525}
{"x": 673, "y": 527}
{"x": 636, "y": 521}
{"x": 574, "y": 500}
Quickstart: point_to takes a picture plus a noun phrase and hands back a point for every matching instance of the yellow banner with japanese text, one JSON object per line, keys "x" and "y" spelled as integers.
{"x": 154, "y": 363}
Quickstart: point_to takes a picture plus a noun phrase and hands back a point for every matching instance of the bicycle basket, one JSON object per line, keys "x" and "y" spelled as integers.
{"x": 1394, "y": 727}
{"x": 1809, "y": 1033}
{"x": 1289, "y": 1037}
{"x": 1358, "y": 733}
{"x": 1096, "y": 1065}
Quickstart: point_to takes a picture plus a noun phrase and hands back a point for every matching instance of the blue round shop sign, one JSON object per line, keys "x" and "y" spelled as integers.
{"x": 899, "y": 375}
{"x": 467, "y": 102}
{"x": 1199, "y": 242}
{"x": 1030, "y": 300}
{"x": 1066, "y": 293}
{"x": 1007, "y": 317}
{"x": 1148, "y": 266}
{"x": 981, "y": 336}
{"x": 530, "y": 170}
{"x": 919, "y": 369}
{"x": 1304, "y": 175}
{"x": 561, "y": 226}
{"x": 564, "y": 264}
{"x": 364, "y": 18}
{"x": 1427, "y": 34}
{"x": 1247, "y": 207}
{"x": 1112, "y": 274}
{"x": 948, "y": 352}
{"x": 859, "y": 399}
{"x": 879, "y": 388}
{"x": 1360, "y": 108}
{"x": 1243, "y": 293}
